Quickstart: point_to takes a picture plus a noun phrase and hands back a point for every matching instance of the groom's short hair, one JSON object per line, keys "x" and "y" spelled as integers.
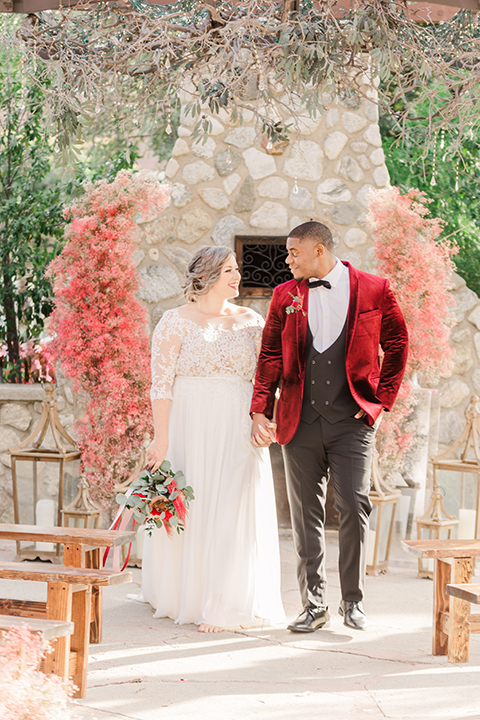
{"x": 314, "y": 232}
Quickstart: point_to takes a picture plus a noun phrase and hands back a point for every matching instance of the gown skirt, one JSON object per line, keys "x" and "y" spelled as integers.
{"x": 225, "y": 568}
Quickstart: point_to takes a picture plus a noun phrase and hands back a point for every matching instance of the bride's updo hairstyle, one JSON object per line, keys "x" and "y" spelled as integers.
{"x": 204, "y": 270}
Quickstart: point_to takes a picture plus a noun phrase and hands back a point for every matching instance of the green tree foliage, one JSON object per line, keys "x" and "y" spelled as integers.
{"x": 33, "y": 193}
{"x": 455, "y": 192}
{"x": 31, "y": 223}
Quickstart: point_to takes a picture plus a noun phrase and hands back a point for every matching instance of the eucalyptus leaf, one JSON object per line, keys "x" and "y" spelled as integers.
{"x": 139, "y": 517}
{"x": 181, "y": 482}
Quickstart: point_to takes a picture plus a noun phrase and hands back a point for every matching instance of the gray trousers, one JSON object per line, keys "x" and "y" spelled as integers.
{"x": 345, "y": 449}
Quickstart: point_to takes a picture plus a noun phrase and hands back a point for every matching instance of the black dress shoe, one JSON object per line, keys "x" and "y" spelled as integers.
{"x": 353, "y": 614}
{"x": 310, "y": 619}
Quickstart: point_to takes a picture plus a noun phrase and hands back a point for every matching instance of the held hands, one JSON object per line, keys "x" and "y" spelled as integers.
{"x": 156, "y": 454}
{"x": 263, "y": 431}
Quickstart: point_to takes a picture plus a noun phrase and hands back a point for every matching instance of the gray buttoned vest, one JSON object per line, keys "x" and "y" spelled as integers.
{"x": 326, "y": 390}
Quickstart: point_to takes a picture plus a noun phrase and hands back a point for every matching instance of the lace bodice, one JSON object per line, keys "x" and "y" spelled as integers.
{"x": 220, "y": 347}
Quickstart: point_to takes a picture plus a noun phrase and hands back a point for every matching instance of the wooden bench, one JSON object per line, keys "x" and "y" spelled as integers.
{"x": 457, "y": 557}
{"x": 461, "y": 622}
{"x": 82, "y": 547}
{"x": 47, "y": 629}
{"x": 69, "y": 598}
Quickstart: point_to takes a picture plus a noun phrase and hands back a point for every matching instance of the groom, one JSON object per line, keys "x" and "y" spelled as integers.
{"x": 320, "y": 358}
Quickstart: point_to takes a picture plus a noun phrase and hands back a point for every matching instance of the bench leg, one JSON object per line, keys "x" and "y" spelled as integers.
{"x": 59, "y": 607}
{"x": 441, "y": 605}
{"x": 93, "y": 559}
{"x": 459, "y": 626}
{"x": 81, "y": 611}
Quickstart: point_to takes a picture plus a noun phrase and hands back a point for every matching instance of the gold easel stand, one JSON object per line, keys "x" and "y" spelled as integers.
{"x": 31, "y": 450}
{"x": 135, "y": 560}
{"x": 384, "y": 499}
{"x": 436, "y": 519}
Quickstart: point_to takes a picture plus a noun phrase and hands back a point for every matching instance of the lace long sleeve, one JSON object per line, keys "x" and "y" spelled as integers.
{"x": 257, "y": 333}
{"x": 166, "y": 343}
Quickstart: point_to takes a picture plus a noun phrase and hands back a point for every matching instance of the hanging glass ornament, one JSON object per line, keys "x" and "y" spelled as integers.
{"x": 433, "y": 181}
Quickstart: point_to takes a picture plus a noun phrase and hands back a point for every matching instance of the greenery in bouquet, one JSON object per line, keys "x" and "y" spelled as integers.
{"x": 159, "y": 499}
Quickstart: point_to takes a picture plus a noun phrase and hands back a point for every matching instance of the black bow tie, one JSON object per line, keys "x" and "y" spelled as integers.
{"x": 318, "y": 283}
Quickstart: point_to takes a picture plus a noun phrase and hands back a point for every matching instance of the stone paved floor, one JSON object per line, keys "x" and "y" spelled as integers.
{"x": 150, "y": 669}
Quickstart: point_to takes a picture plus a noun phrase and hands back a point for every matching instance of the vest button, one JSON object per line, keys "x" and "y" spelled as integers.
{"x": 313, "y": 382}
{"x": 313, "y": 402}
{"x": 313, "y": 362}
{"x": 326, "y": 402}
{"x": 327, "y": 382}
{"x": 329, "y": 362}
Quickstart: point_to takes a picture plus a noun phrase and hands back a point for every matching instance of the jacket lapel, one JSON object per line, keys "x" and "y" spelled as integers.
{"x": 352, "y": 307}
{"x": 302, "y": 323}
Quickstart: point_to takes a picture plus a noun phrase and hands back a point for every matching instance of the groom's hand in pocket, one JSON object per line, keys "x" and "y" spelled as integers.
{"x": 263, "y": 431}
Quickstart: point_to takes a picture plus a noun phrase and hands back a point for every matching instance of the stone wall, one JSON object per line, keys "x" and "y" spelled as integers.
{"x": 20, "y": 411}
{"x": 232, "y": 185}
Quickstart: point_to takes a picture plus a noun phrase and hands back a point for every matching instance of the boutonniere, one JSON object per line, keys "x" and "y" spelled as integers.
{"x": 295, "y": 306}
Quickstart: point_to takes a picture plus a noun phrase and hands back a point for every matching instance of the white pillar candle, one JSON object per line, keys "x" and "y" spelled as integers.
{"x": 139, "y": 540}
{"x": 45, "y": 516}
{"x": 466, "y": 524}
{"x": 371, "y": 546}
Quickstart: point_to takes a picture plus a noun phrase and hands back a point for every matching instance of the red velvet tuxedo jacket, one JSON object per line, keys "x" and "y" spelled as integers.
{"x": 374, "y": 320}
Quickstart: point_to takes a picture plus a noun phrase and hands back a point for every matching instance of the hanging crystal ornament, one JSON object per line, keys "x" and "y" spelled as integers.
{"x": 168, "y": 129}
{"x": 433, "y": 181}
{"x": 269, "y": 145}
{"x": 229, "y": 159}
{"x": 457, "y": 173}
{"x": 295, "y": 187}
{"x": 261, "y": 78}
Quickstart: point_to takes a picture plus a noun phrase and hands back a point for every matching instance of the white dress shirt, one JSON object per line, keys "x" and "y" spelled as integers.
{"x": 328, "y": 307}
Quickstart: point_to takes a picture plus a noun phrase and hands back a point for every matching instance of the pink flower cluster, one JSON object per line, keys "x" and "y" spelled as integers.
{"x": 38, "y": 364}
{"x": 409, "y": 253}
{"x": 419, "y": 266}
{"x": 25, "y": 692}
{"x": 100, "y": 326}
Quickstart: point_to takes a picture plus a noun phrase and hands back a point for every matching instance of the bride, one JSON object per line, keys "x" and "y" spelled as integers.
{"x": 224, "y": 570}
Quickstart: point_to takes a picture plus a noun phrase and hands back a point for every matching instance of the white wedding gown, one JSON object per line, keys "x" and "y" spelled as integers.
{"x": 224, "y": 569}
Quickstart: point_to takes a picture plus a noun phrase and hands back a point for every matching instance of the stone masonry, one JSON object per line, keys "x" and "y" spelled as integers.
{"x": 20, "y": 411}
{"x": 230, "y": 185}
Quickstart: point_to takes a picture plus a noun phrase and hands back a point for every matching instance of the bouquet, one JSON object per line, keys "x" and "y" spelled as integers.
{"x": 160, "y": 499}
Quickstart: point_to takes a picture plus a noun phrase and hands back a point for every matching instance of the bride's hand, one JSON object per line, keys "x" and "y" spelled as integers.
{"x": 263, "y": 431}
{"x": 156, "y": 454}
